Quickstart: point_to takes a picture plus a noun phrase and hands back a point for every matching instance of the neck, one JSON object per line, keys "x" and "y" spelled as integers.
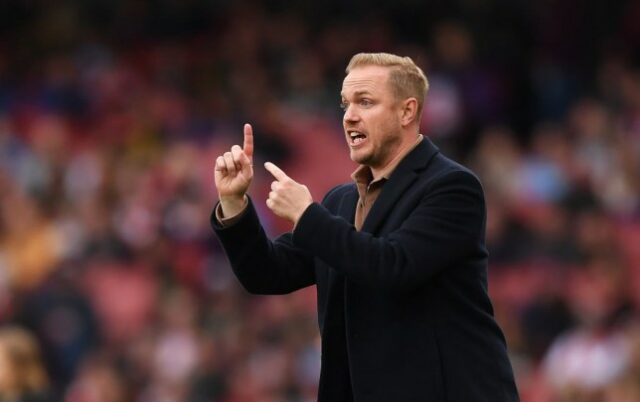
{"x": 400, "y": 152}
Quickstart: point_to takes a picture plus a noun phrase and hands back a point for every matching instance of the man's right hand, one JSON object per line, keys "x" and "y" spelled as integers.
{"x": 233, "y": 174}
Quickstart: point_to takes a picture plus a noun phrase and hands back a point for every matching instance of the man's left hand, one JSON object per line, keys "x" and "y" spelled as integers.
{"x": 288, "y": 199}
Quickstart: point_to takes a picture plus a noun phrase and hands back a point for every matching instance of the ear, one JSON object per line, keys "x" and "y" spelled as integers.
{"x": 409, "y": 111}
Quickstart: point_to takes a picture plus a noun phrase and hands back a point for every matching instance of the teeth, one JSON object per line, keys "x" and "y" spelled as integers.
{"x": 354, "y": 134}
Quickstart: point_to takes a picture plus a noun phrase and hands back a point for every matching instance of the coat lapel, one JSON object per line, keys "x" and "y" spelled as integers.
{"x": 347, "y": 206}
{"x": 347, "y": 210}
{"x": 401, "y": 178}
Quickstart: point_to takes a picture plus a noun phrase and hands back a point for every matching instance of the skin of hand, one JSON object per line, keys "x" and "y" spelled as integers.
{"x": 288, "y": 199}
{"x": 233, "y": 175}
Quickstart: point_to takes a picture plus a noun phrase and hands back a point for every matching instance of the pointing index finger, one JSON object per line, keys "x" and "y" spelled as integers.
{"x": 247, "y": 147}
{"x": 275, "y": 171}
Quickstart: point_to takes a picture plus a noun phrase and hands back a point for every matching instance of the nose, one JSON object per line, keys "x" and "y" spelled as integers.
{"x": 350, "y": 115}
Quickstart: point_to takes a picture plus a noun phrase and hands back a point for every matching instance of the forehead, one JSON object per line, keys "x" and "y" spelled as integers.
{"x": 372, "y": 79}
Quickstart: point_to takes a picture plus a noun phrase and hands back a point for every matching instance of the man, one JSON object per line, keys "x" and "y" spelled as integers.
{"x": 398, "y": 257}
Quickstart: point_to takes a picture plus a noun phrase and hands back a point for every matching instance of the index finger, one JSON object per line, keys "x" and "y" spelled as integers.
{"x": 247, "y": 147}
{"x": 275, "y": 171}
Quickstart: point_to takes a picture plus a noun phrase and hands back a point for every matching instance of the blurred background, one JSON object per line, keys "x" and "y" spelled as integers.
{"x": 112, "y": 285}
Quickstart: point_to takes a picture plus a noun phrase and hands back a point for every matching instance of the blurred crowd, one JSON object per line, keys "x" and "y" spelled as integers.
{"x": 112, "y": 285}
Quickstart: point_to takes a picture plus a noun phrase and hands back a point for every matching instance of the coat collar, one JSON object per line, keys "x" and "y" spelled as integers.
{"x": 401, "y": 178}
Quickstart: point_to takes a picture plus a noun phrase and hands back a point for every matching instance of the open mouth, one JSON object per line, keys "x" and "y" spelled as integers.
{"x": 356, "y": 137}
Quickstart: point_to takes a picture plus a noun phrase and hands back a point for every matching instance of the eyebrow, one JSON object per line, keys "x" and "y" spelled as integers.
{"x": 358, "y": 93}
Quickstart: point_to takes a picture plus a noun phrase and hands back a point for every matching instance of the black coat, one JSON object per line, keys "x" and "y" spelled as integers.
{"x": 402, "y": 304}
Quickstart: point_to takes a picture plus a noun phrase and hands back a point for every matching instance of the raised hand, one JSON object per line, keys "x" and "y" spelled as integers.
{"x": 233, "y": 174}
{"x": 288, "y": 199}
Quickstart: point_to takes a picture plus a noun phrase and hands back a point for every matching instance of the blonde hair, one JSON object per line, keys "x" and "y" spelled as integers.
{"x": 406, "y": 78}
{"x": 23, "y": 355}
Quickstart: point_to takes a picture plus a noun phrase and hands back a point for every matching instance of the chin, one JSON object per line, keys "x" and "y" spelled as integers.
{"x": 359, "y": 158}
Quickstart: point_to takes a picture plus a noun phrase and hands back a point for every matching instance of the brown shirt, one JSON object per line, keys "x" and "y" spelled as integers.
{"x": 369, "y": 187}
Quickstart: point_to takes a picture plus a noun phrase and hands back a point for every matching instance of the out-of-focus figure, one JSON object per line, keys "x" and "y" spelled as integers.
{"x": 22, "y": 375}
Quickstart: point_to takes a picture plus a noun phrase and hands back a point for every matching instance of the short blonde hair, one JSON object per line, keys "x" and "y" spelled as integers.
{"x": 406, "y": 78}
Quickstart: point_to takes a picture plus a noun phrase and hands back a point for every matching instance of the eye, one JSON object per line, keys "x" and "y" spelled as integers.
{"x": 365, "y": 102}
{"x": 344, "y": 105}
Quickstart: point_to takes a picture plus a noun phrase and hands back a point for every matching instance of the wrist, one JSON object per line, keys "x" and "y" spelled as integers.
{"x": 232, "y": 205}
{"x": 299, "y": 215}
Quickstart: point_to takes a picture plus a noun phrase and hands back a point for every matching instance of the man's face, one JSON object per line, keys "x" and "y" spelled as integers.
{"x": 371, "y": 116}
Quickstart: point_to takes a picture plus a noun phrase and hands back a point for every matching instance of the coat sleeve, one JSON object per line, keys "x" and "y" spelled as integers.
{"x": 263, "y": 266}
{"x": 446, "y": 227}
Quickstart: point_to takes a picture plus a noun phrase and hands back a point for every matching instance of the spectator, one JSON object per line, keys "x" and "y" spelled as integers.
{"x": 22, "y": 375}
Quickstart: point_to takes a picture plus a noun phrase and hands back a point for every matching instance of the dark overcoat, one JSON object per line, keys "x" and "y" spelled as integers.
{"x": 403, "y": 308}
